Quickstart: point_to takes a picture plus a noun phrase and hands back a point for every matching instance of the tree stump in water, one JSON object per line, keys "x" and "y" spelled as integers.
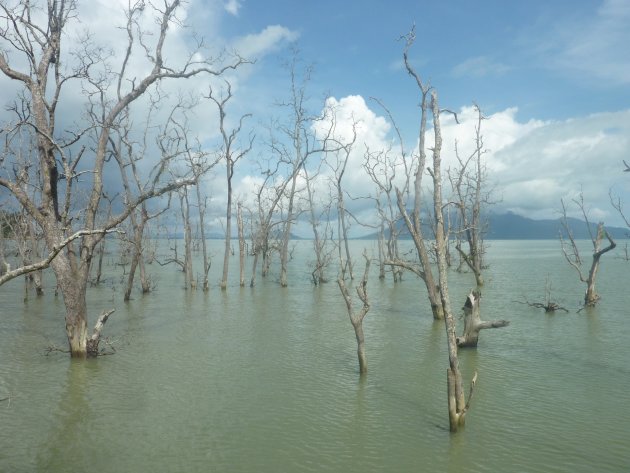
{"x": 473, "y": 323}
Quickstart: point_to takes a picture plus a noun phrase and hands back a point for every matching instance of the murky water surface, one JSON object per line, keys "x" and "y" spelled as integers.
{"x": 266, "y": 379}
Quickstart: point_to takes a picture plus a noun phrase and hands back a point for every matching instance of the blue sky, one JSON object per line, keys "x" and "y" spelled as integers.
{"x": 553, "y": 60}
{"x": 553, "y": 78}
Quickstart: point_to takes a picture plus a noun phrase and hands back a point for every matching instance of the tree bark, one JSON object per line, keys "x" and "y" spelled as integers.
{"x": 473, "y": 323}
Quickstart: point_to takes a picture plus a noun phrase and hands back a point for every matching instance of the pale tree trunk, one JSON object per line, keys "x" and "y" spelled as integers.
{"x": 356, "y": 317}
{"x": 590, "y": 296}
{"x": 317, "y": 275}
{"x": 73, "y": 289}
{"x": 343, "y": 235}
{"x": 252, "y": 281}
{"x": 457, "y": 406}
{"x": 381, "y": 252}
{"x": 241, "y": 243}
{"x": 136, "y": 257}
{"x": 284, "y": 251}
{"x": 204, "y": 245}
{"x": 229, "y": 141}
{"x": 4, "y": 266}
{"x": 414, "y": 222}
{"x": 228, "y": 229}
{"x": 189, "y": 282}
{"x": 473, "y": 323}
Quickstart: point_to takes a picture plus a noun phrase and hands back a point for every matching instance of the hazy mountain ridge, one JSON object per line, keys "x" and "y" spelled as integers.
{"x": 510, "y": 226}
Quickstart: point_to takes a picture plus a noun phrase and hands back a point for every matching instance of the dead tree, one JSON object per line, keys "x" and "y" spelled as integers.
{"x": 356, "y": 317}
{"x": 44, "y": 69}
{"x": 473, "y": 323}
{"x": 241, "y": 243}
{"x": 414, "y": 222}
{"x": 319, "y": 218}
{"x": 457, "y": 405}
{"x": 468, "y": 193}
{"x": 383, "y": 167}
{"x": 184, "y": 206}
{"x": 572, "y": 254}
{"x": 338, "y": 167}
{"x": 293, "y": 148}
{"x": 231, "y": 156}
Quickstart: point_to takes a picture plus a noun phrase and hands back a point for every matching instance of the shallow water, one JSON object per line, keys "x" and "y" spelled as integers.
{"x": 266, "y": 379}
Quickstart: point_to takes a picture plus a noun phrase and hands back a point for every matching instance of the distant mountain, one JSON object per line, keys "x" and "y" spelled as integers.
{"x": 510, "y": 226}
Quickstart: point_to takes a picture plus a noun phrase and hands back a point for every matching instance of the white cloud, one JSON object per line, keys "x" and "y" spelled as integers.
{"x": 232, "y": 7}
{"x": 255, "y": 46}
{"x": 558, "y": 159}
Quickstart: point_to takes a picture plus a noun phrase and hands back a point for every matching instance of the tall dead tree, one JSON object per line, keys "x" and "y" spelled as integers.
{"x": 293, "y": 149}
{"x": 571, "y": 251}
{"x": 241, "y": 243}
{"x": 457, "y": 405}
{"x": 33, "y": 55}
{"x": 231, "y": 156}
{"x": 414, "y": 221}
{"x": 383, "y": 167}
{"x": 468, "y": 194}
{"x": 319, "y": 213}
{"x": 338, "y": 167}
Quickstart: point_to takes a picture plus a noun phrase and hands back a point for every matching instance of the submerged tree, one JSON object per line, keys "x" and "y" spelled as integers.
{"x": 357, "y": 316}
{"x": 457, "y": 405}
{"x": 231, "y": 156}
{"x": 33, "y": 54}
{"x": 467, "y": 189}
{"x": 572, "y": 253}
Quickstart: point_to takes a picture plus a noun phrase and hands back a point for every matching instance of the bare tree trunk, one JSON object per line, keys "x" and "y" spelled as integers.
{"x": 473, "y": 323}
{"x": 572, "y": 254}
{"x": 73, "y": 290}
{"x": 189, "y": 282}
{"x": 457, "y": 406}
{"x": 356, "y": 318}
{"x": 252, "y": 281}
{"x": 4, "y": 266}
{"x": 381, "y": 252}
{"x": 284, "y": 250}
{"x": 241, "y": 243}
{"x": 591, "y": 297}
{"x": 204, "y": 245}
{"x": 228, "y": 237}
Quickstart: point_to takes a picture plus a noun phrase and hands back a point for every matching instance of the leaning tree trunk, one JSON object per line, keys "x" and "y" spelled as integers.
{"x": 473, "y": 323}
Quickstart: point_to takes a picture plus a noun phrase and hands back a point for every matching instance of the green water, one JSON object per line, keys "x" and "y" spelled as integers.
{"x": 266, "y": 379}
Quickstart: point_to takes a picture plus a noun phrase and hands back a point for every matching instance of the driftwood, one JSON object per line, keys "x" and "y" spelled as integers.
{"x": 548, "y": 306}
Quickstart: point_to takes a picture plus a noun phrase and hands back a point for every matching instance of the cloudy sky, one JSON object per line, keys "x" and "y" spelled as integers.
{"x": 553, "y": 79}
